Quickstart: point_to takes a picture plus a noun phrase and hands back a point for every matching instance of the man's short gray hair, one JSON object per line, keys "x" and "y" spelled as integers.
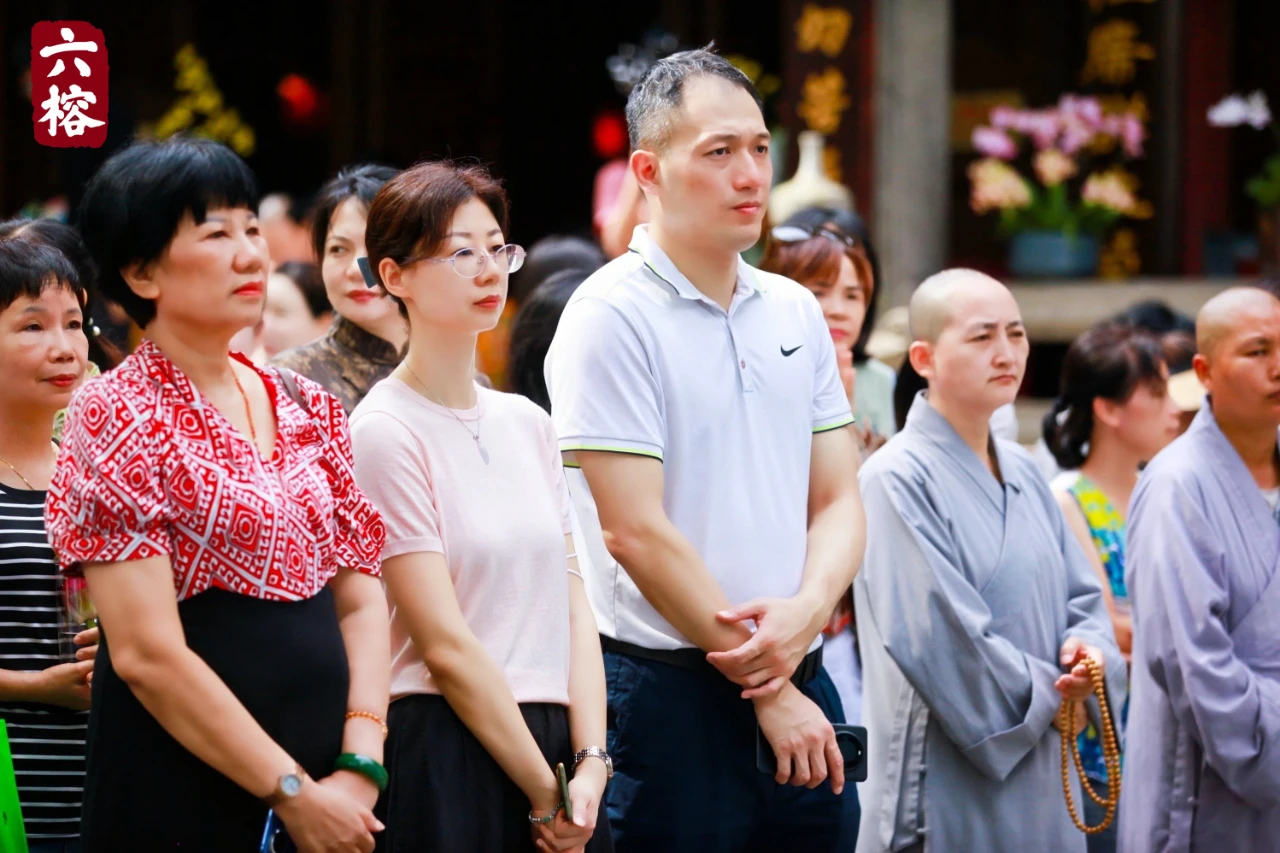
{"x": 657, "y": 96}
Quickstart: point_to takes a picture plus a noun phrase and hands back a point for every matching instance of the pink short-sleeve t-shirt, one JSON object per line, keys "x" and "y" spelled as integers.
{"x": 500, "y": 525}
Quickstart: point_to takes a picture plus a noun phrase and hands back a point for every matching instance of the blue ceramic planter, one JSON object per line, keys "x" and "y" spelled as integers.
{"x": 1052, "y": 254}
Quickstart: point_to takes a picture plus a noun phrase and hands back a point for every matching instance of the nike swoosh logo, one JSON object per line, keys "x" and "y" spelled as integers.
{"x": 787, "y": 352}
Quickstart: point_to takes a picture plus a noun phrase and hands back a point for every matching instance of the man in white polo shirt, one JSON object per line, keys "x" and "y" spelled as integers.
{"x": 701, "y": 400}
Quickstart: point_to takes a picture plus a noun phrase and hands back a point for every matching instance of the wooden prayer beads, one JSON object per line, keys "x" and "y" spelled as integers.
{"x": 1110, "y": 755}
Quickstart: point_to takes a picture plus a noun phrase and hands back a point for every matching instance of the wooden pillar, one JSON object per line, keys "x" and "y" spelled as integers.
{"x": 1206, "y": 150}
{"x": 912, "y": 132}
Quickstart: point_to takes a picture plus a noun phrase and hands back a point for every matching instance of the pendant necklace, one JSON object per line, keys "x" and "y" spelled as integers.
{"x": 475, "y": 436}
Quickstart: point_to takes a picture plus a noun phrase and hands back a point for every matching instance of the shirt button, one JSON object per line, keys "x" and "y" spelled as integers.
{"x": 742, "y": 364}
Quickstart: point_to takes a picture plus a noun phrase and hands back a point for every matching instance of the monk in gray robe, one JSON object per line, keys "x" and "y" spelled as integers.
{"x": 975, "y": 604}
{"x": 1202, "y": 770}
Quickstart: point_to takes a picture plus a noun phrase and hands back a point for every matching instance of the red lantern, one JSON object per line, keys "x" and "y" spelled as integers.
{"x": 300, "y": 99}
{"x": 609, "y": 135}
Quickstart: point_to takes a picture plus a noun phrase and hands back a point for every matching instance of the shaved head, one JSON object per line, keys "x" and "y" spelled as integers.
{"x": 1230, "y": 311}
{"x": 933, "y": 304}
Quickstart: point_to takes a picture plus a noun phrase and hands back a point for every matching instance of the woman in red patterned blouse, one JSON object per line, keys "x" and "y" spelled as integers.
{"x": 189, "y": 471}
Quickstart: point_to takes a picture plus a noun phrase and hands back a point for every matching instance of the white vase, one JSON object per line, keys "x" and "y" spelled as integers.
{"x": 809, "y": 186}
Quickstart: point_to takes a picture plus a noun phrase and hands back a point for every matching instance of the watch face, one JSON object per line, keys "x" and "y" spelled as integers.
{"x": 290, "y": 785}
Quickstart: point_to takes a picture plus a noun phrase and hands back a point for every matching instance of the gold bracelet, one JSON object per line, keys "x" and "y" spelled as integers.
{"x": 369, "y": 715}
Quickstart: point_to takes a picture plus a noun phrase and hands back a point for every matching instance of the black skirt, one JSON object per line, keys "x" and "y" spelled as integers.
{"x": 448, "y": 795}
{"x": 284, "y": 661}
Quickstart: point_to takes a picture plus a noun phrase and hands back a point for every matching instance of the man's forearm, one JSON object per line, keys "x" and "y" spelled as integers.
{"x": 836, "y": 541}
{"x": 673, "y": 578}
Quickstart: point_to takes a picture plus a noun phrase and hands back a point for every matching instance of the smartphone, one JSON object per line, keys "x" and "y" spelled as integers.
{"x": 852, "y": 741}
{"x": 367, "y": 272}
{"x": 563, "y": 779}
{"x": 274, "y": 837}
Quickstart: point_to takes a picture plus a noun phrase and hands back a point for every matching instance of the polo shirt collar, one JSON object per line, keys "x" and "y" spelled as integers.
{"x": 661, "y": 266}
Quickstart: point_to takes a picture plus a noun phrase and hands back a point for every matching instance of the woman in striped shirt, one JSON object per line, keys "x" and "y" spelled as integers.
{"x": 43, "y": 699}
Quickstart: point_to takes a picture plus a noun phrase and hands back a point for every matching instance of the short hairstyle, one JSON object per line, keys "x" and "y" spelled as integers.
{"x": 28, "y": 268}
{"x": 655, "y": 99}
{"x": 66, "y": 240}
{"x": 307, "y": 277}
{"x": 134, "y": 203}
{"x": 552, "y": 255}
{"x": 1108, "y": 361}
{"x": 531, "y": 334}
{"x": 410, "y": 216}
{"x": 359, "y": 182}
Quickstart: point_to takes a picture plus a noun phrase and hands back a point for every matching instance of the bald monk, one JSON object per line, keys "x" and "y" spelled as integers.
{"x": 1202, "y": 770}
{"x": 975, "y": 605}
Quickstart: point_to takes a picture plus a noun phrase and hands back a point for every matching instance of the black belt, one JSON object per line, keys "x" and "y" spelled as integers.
{"x": 696, "y": 659}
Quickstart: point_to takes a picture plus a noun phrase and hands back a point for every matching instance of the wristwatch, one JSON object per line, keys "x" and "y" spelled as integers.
{"x": 288, "y": 787}
{"x": 595, "y": 752}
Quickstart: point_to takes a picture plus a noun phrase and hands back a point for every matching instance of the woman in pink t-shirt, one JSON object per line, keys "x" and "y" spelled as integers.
{"x": 496, "y": 667}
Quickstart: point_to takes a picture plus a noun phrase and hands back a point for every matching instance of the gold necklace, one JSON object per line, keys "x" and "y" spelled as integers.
{"x": 253, "y": 433}
{"x": 19, "y": 473}
{"x": 475, "y": 436}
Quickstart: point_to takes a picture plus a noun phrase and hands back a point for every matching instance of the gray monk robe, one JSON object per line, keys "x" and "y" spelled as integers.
{"x": 967, "y": 593}
{"x": 1202, "y": 771}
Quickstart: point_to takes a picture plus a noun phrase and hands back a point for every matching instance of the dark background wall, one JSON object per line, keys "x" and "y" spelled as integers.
{"x": 516, "y": 84}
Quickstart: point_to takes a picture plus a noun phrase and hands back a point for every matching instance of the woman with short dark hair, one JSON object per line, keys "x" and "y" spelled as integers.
{"x": 496, "y": 666}
{"x": 233, "y": 562}
{"x": 1113, "y": 414}
{"x": 44, "y": 690}
{"x": 365, "y": 342}
{"x": 66, "y": 240}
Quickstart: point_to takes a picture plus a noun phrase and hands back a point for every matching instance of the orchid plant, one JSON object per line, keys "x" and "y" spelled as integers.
{"x": 1236, "y": 111}
{"x": 1061, "y": 139}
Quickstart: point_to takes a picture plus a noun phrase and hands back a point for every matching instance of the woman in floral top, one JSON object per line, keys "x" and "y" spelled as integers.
{"x": 1118, "y": 415}
{"x": 233, "y": 561}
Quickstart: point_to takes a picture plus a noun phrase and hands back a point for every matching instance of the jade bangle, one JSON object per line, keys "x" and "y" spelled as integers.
{"x": 365, "y": 766}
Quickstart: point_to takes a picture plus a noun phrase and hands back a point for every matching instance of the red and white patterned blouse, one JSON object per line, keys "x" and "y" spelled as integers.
{"x": 149, "y": 467}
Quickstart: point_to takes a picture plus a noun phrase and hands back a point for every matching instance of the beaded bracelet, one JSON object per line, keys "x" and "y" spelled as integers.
{"x": 547, "y": 818}
{"x": 369, "y": 715}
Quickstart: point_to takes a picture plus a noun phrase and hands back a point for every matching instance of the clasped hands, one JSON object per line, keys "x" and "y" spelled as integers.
{"x": 586, "y": 789}
{"x": 799, "y": 733}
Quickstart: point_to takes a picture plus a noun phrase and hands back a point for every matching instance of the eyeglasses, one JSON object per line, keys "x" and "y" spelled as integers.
{"x": 800, "y": 233}
{"x": 469, "y": 262}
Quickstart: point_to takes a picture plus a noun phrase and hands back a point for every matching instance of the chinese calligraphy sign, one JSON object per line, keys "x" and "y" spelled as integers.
{"x": 824, "y": 29}
{"x": 1114, "y": 51}
{"x": 69, "y": 78}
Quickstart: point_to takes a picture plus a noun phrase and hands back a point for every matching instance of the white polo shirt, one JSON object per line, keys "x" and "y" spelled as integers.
{"x": 642, "y": 362}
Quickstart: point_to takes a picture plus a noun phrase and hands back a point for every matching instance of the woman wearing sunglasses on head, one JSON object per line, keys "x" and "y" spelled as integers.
{"x": 829, "y": 252}
{"x": 496, "y": 667}
{"x": 233, "y": 562}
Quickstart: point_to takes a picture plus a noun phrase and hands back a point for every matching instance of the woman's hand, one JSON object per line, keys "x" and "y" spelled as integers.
{"x": 87, "y": 642}
{"x": 562, "y": 835}
{"x": 359, "y": 788}
{"x": 65, "y": 685}
{"x": 324, "y": 819}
